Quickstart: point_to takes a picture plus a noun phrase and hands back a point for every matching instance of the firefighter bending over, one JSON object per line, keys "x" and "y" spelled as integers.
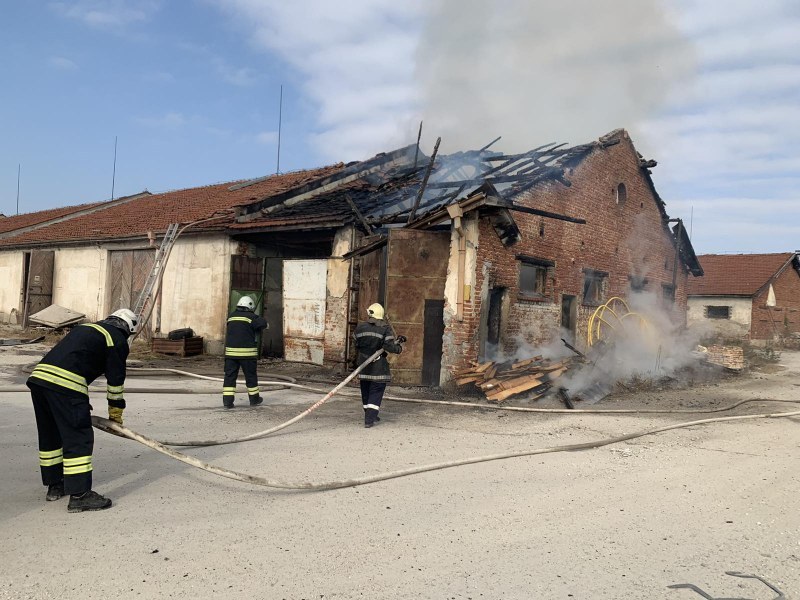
{"x": 59, "y": 387}
{"x": 241, "y": 350}
{"x": 371, "y": 336}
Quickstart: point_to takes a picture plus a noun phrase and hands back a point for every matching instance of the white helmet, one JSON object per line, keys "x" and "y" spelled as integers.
{"x": 128, "y": 316}
{"x": 375, "y": 310}
{"x": 246, "y": 302}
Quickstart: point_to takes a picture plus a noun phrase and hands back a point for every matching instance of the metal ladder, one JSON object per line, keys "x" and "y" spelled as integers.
{"x": 146, "y": 294}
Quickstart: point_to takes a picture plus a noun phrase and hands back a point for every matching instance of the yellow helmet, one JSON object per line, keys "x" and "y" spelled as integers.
{"x": 375, "y": 310}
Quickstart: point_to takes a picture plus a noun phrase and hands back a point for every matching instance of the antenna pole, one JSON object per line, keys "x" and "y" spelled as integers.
{"x": 19, "y": 169}
{"x": 280, "y": 123}
{"x": 114, "y": 173}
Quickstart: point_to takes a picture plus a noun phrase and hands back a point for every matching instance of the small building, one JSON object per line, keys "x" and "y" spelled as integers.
{"x": 754, "y": 297}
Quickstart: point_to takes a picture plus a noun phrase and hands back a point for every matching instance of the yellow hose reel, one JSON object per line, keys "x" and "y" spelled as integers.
{"x": 615, "y": 318}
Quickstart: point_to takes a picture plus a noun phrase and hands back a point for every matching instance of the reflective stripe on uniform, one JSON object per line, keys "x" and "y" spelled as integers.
{"x": 229, "y": 391}
{"x": 109, "y": 340}
{"x": 252, "y": 390}
{"x": 115, "y": 392}
{"x": 245, "y": 319}
{"x": 77, "y": 465}
{"x": 241, "y": 352}
{"x": 60, "y": 377}
{"x": 49, "y": 458}
{"x": 372, "y": 406}
{"x": 369, "y": 334}
{"x": 374, "y": 377}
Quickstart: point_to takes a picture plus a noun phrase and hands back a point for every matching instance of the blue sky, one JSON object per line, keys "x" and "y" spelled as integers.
{"x": 708, "y": 88}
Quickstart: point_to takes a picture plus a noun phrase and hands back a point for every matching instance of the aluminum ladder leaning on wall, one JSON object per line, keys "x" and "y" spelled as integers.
{"x": 146, "y": 296}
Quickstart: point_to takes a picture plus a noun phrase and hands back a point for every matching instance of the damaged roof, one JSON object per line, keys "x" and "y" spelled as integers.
{"x": 740, "y": 274}
{"x": 137, "y": 215}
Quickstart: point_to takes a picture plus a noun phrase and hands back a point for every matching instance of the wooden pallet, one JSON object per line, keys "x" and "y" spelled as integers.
{"x": 190, "y": 346}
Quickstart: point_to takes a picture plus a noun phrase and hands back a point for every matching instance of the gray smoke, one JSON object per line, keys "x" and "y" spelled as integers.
{"x": 535, "y": 71}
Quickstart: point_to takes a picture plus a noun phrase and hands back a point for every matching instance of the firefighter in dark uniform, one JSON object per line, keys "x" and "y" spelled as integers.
{"x": 59, "y": 387}
{"x": 371, "y": 336}
{"x": 241, "y": 350}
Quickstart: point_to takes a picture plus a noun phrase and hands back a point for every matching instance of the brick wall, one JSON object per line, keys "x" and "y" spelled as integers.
{"x": 784, "y": 318}
{"x": 620, "y": 239}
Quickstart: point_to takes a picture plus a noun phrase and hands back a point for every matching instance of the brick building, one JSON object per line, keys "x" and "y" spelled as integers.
{"x": 747, "y": 296}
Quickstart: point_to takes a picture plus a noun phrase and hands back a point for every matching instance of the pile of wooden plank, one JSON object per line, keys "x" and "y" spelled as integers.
{"x": 500, "y": 381}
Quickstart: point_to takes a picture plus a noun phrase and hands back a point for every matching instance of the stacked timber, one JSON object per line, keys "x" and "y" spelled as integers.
{"x": 500, "y": 381}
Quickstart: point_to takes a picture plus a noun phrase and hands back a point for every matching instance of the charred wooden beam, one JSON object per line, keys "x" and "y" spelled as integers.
{"x": 358, "y": 214}
{"x": 545, "y": 213}
{"x": 424, "y": 180}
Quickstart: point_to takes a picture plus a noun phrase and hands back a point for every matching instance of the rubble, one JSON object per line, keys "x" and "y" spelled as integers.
{"x": 500, "y": 381}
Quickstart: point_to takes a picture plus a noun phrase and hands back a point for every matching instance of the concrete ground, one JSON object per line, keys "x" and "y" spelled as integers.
{"x": 619, "y": 522}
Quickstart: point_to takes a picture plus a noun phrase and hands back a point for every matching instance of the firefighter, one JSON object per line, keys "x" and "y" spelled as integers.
{"x": 59, "y": 387}
{"x": 241, "y": 350}
{"x": 372, "y": 335}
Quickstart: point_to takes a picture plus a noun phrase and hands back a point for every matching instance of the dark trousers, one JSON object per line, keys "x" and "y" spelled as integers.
{"x": 371, "y": 397}
{"x": 66, "y": 438}
{"x": 248, "y": 366}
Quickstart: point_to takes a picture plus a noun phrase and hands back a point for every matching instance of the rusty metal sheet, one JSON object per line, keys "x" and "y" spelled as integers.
{"x": 302, "y": 350}
{"x": 415, "y": 253}
{"x": 304, "y": 302}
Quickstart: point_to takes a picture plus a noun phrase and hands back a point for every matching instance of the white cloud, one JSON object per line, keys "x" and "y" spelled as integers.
{"x": 107, "y": 13}
{"x": 62, "y": 63}
{"x": 240, "y": 76}
{"x": 356, "y": 60}
{"x": 267, "y": 137}
{"x": 170, "y": 120}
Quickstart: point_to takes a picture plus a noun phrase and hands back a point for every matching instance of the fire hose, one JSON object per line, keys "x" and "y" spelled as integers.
{"x": 116, "y": 429}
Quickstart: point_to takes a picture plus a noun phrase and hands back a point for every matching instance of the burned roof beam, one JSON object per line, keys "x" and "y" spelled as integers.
{"x": 545, "y": 213}
{"x": 425, "y": 180}
{"x": 358, "y": 213}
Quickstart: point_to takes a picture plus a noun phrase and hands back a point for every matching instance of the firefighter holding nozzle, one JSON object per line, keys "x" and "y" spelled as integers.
{"x": 372, "y": 335}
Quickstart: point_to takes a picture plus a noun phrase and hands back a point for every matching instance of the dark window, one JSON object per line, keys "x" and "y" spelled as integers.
{"x": 718, "y": 312}
{"x": 638, "y": 283}
{"x": 668, "y": 293}
{"x": 533, "y": 275}
{"x": 622, "y": 194}
{"x": 532, "y": 279}
{"x": 594, "y": 284}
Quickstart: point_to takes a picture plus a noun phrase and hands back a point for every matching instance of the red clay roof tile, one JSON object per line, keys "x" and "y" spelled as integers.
{"x": 735, "y": 274}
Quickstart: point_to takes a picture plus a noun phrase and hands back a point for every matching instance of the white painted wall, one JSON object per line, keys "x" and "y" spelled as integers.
{"x": 11, "y": 271}
{"x": 196, "y": 286}
{"x": 79, "y": 280}
{"x": 741, "y": 311}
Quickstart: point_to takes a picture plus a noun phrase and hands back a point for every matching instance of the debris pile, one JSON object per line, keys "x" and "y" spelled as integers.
{"x": 500, "y": 381}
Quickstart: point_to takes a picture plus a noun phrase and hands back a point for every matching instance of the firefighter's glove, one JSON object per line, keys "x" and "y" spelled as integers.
{"x": 115, "y": 414}
{"x": 401, "y": 339}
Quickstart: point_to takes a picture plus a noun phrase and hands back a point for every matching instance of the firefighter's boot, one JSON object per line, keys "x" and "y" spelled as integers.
{"x": 90, "y": 500}
{"x": 256, "y": 400}
{"x": 55, "y": 491}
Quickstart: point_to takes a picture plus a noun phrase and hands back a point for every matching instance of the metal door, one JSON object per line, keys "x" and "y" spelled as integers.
{"x": 304, "y": 301}
{"x": 39, "y": 284}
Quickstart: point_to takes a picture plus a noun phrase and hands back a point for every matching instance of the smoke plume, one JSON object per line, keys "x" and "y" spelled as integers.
{"x": 535, "y": 72}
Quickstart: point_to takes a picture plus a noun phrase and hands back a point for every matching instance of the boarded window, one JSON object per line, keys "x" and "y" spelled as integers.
{"x": 533, "y": 275}
{"x": 594, "y": 287}
{"x": 718, "y": 312}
